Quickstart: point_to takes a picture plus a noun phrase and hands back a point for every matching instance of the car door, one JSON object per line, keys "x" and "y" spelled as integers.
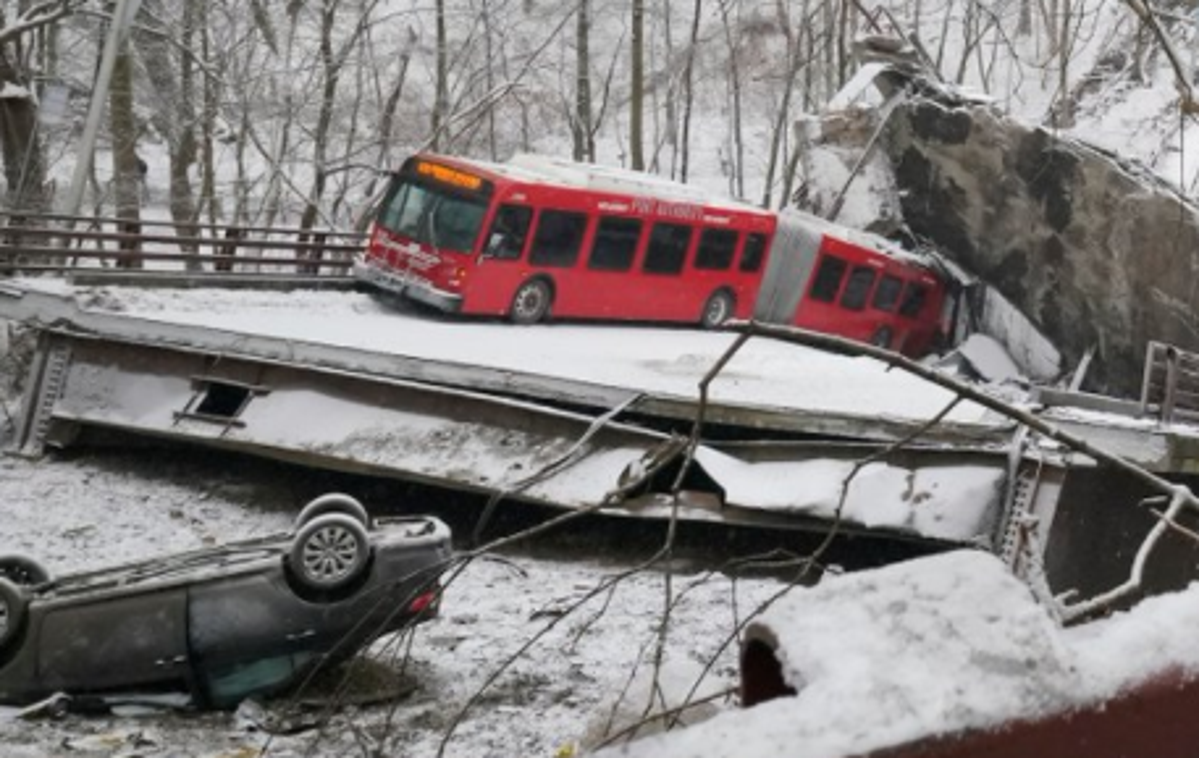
{"x": 109, "y": 642}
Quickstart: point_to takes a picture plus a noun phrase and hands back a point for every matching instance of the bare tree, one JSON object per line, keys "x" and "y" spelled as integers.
{"x": 441, "y": 102}
{"x": 126, "y": 165}
{"x": 689, "y": 89}
{"x": 732, "y": 40}
{"x": 170, "y": 69}
{"x": 637, "y": 89}
{"x": 584, "y": 138}
{"x": 20, "y": 143}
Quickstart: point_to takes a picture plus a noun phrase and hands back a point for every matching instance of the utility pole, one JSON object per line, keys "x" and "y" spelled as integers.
{"x": 122, "y": 19}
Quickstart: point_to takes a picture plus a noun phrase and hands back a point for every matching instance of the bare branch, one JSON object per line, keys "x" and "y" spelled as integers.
{"x": 42, "y": 14}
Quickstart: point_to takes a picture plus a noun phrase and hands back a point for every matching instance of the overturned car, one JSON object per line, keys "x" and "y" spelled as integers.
{"x": 222, "y": 623}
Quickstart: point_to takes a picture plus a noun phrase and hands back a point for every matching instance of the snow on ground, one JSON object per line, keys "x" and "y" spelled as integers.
{"x": 101, "y": 509}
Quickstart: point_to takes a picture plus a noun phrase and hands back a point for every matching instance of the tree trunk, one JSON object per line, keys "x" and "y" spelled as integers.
{"x": 208, "y": 122}
{"x": 320, "y": 135}
{"x": 783, "y": 118}
{"x": 737, "y": 179}
{"x": 441, "y": 102}
{"x": 584, "y": 142}
{"x": 126, "y": 165}
{"x": 172, "y": 79}
{"x": 492, "y": 150}
{"x": 20, "y": 145}
{"x": 637, "y": 96}
{"x": 689, "y": 91}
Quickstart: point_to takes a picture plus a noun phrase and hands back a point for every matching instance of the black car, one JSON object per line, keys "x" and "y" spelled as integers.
{"x": 223, "y": 623}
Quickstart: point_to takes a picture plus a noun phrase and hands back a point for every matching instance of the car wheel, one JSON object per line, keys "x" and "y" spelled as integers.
{"x": 329, "y": 552}
{"x": 22, "y": 570}
{"x": 531, "y": 303}
{"x": 12, "y": 610}
{"x": 882, "y": 338}
{"x": 333, "y": 502}
{"x": 717, "y": 310}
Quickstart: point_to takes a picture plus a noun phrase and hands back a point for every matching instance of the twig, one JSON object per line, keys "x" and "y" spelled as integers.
{"x": 1161, "y": 516}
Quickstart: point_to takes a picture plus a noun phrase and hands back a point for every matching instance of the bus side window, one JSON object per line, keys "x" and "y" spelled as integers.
{"x": 827, "y": 282}
{"x": 861, "y": 279}
{"x": 755, "y": 251}
{"x": 557, "y": 239}
{"x": 615, "y": 244}
{"x": 667, "y": 250}
{"x": 887, "y": 294}
{"x": 508, "y": 232}
{"x": 913, "y": 300}
{"x": 716, "y": 248}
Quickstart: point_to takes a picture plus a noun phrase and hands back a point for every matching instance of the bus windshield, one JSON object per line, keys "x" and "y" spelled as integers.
{"x": 432, "y": 216}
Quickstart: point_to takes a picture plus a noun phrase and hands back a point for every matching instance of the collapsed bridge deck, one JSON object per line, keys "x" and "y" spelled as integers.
{"x": 562, "y": 415}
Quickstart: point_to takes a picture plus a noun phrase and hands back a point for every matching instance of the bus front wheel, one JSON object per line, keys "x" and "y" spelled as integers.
{"x": 531, "y": 303}
{"x": 717, "y": 310}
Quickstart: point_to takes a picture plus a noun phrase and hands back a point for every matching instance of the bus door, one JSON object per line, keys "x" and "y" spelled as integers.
{"x": 501, "y": 265}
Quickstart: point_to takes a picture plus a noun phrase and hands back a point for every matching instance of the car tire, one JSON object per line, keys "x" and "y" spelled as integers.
{"x": 333, "y": 502}
{"x": 22, "y": 570}
{"x": 717, "y": 310}
{"x": 329, "y": 552}
{"x": 530, "y": 303}
{"x": 12, "y": 610}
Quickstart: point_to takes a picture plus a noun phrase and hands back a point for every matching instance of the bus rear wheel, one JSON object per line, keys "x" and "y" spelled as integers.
{"x": 717, "y": 310}
{"x": 531, "y": 303}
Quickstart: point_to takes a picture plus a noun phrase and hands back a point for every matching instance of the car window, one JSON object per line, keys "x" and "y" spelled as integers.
{"x": 861, "y": 279}
{"x": 754, "y": 252}
{"x": 913, "y": 300}
{"x": 667, "y": 249}
{"x": 716, "y": 248}
{"x": 557, "y": 239}
{"x": 615, "y": 244}
{"x": 887, "y": 294}
{"x": 509, "y": 231}
{"x": 827, "y": 282}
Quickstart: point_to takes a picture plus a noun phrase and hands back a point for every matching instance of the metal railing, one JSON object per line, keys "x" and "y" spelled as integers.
{"x": 1170, "y": 386}
{"x": 83, "y": 245}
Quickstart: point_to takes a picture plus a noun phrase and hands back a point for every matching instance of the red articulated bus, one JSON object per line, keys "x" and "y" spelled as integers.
{"x": 537, "y": 237}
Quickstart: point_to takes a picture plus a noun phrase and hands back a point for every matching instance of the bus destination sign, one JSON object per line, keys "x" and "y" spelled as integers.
{"x": 447, "y": 175}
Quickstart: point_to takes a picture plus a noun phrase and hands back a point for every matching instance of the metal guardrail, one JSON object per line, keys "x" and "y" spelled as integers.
{"x": 1170, "y": 386}
{"x": 112, "y": 248}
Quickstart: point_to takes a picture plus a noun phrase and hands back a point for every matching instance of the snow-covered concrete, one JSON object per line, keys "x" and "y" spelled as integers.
{"x": 928, "y": 647}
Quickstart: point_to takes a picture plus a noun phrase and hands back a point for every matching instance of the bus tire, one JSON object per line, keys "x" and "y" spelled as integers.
{"x": 531, "y": 302}
{"x": 882, "y": 338}
{"x": 717, "y": 310}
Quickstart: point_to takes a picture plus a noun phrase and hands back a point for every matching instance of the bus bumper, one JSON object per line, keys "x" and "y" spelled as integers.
{"x": 407, "y": 285}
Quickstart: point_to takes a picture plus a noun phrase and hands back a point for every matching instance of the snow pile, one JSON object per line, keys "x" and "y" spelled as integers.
{"x": 929, "y": 647}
